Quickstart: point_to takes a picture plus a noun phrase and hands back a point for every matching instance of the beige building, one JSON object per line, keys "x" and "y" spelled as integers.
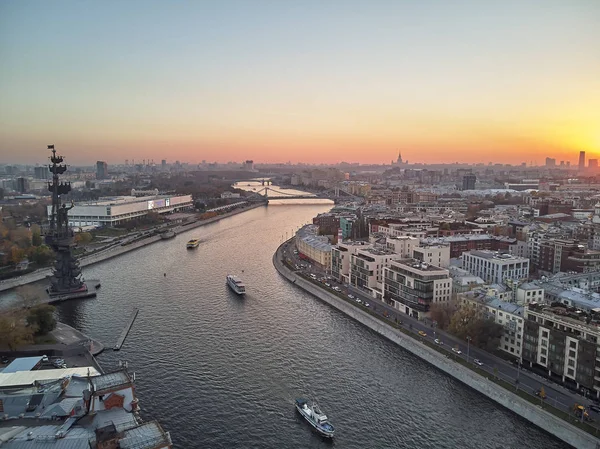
{"x": 314, "y": 247}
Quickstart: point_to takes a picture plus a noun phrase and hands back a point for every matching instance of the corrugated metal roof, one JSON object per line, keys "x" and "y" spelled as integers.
{"x": 146, "y": 436}
{"x": 109, "y": 380}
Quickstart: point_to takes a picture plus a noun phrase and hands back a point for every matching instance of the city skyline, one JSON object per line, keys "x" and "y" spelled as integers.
{"x": 504, "y": 82}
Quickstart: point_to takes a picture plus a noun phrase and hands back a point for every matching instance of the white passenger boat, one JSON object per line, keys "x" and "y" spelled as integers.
{"x": 236, "y": 284}
{"x": 315, "y": 417}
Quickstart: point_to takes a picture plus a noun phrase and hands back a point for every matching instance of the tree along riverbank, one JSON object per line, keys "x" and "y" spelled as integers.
{"x": 117, "y": 250}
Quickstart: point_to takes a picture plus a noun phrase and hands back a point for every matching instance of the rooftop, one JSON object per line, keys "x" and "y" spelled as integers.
{"x": 25, "y": 378}
{"x": 488, "y": 254}
{"x": 111, "y": 380}
{"x": 22, "y": 364}
{"x": 417, "y": 264}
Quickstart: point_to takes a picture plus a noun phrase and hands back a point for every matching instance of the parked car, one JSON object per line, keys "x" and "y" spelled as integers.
{"x": 478, "y": 362}
{"x": 422, "y": 334}
{"x": 456, "y": 350}
{"x": 438, "y": 341}
{"x": 351, "y": 296}
{"x": 367, "y": 304}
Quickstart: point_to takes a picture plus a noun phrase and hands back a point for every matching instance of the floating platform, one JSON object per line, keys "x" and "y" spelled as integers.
{"x": 123, "y": 336}
{"x": 92, "y": 286}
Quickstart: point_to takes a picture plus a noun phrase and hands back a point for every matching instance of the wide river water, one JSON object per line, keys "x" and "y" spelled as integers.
{"x": 222, "y": 372}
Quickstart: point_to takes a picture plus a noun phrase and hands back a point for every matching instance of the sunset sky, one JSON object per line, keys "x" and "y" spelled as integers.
{"x": 300, "y": 80}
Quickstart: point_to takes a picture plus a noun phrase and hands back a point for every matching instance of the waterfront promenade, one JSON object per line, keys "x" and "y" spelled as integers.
{"x": 116, "y": 250}
{"x": 449, "y": 364}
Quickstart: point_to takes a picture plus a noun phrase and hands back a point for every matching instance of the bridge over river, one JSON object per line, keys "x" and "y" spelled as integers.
{"x": 335, "y": 194}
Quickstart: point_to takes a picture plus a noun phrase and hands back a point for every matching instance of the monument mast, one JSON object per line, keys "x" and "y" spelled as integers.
{"x": 66, "y": 276}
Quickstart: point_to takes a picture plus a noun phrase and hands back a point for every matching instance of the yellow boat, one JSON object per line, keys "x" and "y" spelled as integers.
{"x": 193, "y": 243}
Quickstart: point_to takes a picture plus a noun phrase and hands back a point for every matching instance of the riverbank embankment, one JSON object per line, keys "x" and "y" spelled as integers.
{"x": 527, "y": 410}
{"x": 117, "y": 250}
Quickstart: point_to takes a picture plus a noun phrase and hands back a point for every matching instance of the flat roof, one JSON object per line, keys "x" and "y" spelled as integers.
{"x": 21, "y": 378}
{"x": 22, "y": 364}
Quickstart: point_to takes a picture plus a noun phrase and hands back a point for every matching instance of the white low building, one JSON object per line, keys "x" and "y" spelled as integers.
{"x": 494, "y": 267}
{"x": 112, "y": 211}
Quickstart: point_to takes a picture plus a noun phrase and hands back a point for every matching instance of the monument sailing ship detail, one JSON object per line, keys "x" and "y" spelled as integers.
{"x": 66, "y": 278}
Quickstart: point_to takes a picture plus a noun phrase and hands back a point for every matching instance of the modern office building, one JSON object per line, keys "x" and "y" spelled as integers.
{"x": 101, "y": 170}
{"x": 41, "y": 172}
{"x": 412, "y": 286}
{"x": 112, "y": 211}
{"x": 468, "y": 181}
{"x": 494, "y": 267}
{"x": 582, "y": 160}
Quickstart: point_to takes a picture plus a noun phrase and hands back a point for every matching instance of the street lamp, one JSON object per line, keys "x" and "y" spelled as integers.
{"x": 468, "y": 347}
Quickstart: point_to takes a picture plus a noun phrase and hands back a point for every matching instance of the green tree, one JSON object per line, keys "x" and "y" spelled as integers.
{"x": 41, "y": 319}
{"x": 442, "y": 313}
{"x": 29, "y": 295}
{"x": 36, "y": 239}
{"x": 14, "y": 331}
{"x": 469, "y": 322}
{"x": 42, "y": 255}
{"x": 83, "y": 238}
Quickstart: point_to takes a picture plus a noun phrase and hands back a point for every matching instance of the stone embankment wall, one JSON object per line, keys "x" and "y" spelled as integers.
{"x": 116, "y": 250}
{"x": 541, "y": 418}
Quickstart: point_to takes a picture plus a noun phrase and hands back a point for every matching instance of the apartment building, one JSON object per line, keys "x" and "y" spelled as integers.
{"x": 529, "y": 292}
{"x": 565, "y": 342}
{"x": 366, "y": 269}
{"x": 494, "y": 267}
{"x": 438, "y": 255}
{"x": 412, "y": 286}
{"x": 402, "y": 245}
{"x": 507, "y": 314}
{"x": 340, "y": 258}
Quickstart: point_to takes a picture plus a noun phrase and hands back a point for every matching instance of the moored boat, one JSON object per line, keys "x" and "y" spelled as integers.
{"x": 169, "y": 234}
{"x": 315, "y": 417}
{"x": 236, "y": 284}
{"x": 193, "y": 243}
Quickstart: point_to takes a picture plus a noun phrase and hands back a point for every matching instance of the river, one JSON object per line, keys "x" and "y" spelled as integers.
{"x": 222, "y": 372}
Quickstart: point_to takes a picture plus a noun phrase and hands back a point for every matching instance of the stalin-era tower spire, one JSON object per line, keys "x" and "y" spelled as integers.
{"x": 66, "y": 276}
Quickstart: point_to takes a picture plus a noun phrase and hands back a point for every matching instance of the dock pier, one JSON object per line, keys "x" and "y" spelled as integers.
{"x": 123, "y": 335}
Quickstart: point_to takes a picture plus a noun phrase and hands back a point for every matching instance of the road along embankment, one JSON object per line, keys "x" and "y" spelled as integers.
{"x": 116, "y": 250}
{"x": 532, "y": 413}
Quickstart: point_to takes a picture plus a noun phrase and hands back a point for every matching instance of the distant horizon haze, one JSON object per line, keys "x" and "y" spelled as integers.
{"x": 316, "y": 82}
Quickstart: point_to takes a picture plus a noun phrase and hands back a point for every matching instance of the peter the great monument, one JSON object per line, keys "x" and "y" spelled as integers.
{"x": 66, "y": 281}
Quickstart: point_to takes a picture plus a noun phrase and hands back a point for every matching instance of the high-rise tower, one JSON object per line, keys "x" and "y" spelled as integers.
{"x": 582, "y": 160}
{"x": 66, "y": 276}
